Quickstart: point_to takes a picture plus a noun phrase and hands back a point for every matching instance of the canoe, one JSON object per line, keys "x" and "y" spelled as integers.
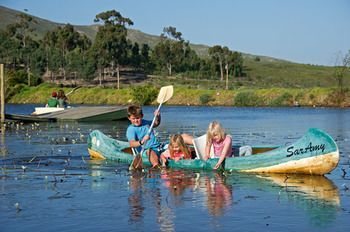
{"x": 46, "y": 110}
{"x": 79, "y": 114}
{"x": 315, "y": 153}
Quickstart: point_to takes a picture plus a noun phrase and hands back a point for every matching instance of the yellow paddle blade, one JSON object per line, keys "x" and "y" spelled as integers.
{"x": 165, "y": 94}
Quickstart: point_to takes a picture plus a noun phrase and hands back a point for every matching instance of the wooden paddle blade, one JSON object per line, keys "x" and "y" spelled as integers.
{"x": 165, "y": 94}
{"x": 136, "y": 163}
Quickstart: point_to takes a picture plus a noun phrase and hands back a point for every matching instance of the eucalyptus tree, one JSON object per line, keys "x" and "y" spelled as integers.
{"x": 223, "y": 58}
{"x": 111, "y": 45}
{"x": 8, "y": 48}
{"x": 173, "y": 52}
{"x": 52, "y": 53}
{"x": 78, "y": 57}
{"x": 162, "y": 56}
{"x": 21, "y": 30}
{"x": 135, "y": 56}
{"x": 67, "y": 40}
{"x": 217, "y": 55}
{"x": 238, "y": 60}
{"x": 145, "y": 61}
{"x": 342, "y": 66}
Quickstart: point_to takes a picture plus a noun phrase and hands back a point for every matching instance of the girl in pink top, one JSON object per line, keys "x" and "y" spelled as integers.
{"x": 221, "y": 142}
{"x": 177, "y": 150}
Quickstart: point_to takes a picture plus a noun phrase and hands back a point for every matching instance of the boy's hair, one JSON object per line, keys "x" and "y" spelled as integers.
{"x": 177, "y": 139}
{"x": 135, "y": 110}
{"x": 215, "y": 128}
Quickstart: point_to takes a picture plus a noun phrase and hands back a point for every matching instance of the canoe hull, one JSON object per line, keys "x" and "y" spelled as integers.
{"x": 78, "y": 114}
{"x": 315, "y": 153}
{"x": 317, "y": 165}
{"x": 46, "y": 110}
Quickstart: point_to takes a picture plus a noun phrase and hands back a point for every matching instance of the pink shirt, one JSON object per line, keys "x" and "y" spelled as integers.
{"x": 218, "y": 147}
{"x": 179, "y": 154}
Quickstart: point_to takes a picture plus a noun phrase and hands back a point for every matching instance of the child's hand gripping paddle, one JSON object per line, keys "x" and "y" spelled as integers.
{"x": 164, "y": 95}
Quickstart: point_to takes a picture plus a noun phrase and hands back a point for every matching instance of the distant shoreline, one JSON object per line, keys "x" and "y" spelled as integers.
{"x": 273, "y": 97}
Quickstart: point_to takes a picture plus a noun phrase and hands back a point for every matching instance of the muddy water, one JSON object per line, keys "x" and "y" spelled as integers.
{"x": 48, "y": 182}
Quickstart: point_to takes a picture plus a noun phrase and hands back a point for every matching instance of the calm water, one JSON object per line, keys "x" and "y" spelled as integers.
{"x": 47, "y": 181}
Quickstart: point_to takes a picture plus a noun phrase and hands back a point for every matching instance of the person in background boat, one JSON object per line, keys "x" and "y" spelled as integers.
{"x": 177, "y": 150}
{"x": 53, "y": 102}
{"x": 62, "y": 99}
{"x": 136, "y": 133}
{"x": 221, "y": 142}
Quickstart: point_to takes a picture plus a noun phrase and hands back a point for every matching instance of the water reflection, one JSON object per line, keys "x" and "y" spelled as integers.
{"x": 136, "y": 208}
{"x": 311, "y": 187}
{"x": 317, "y": 196}
{"x": 219, "y": 194}
{"x": 141, "y": 194}
{"x": 3, "y": 149}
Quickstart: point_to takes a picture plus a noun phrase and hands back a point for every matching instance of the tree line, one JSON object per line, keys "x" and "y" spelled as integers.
{"x": 64, "y": 51}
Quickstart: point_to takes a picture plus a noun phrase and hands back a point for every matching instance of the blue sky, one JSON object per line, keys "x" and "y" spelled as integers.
{"x": 303, "y": 31}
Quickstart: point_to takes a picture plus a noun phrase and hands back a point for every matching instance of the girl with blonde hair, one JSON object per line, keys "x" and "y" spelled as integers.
{"x": 221, "y": 142}
{"x": 177, "y": 150}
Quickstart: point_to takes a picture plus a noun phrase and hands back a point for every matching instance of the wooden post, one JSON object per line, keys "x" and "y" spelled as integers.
{"x": 3, "y": 150}
{"x": 2, "y": 90}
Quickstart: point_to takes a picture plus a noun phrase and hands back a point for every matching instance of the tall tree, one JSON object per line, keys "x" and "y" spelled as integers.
{"x": 145, "y": 58}
{"x": 341, "y": 68}
{"x": 67, "y": 40}
{"x": 110, "y": 41}
{"x": 217, "y": 54}
{"x": 21, "y": 30}
{"x": 172, "y": 51}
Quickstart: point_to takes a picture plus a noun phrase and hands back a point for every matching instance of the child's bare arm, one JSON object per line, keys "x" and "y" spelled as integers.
{"x": 207, "y": 150}
{"x": 158, "y": 118}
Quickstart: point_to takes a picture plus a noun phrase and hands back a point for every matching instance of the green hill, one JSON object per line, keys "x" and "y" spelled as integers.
{"x": 8, "y": 16}
{"x": 261, "y": 71}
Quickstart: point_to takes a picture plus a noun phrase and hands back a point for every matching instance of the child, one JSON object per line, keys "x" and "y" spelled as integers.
{"x": 137, "y": 133}
{"x": 62, "y": 99}
{"x": 52, "y": 102}
{"x": 177, "y": 150}
{"x": 221, "y": 142}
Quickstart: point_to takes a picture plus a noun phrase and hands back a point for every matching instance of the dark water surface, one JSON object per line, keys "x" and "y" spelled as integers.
{"x": 48, "y": 182}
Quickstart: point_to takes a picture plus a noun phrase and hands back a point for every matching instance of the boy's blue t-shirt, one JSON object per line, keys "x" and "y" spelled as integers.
{"x": 138, "y": 132}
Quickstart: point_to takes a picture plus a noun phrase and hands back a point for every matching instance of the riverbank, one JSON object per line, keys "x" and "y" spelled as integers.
{"x": 265, "y": 97}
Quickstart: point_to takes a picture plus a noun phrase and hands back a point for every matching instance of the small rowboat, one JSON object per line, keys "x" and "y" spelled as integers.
{"x": 46, "y": 110}
{"x": 316, "y": 153}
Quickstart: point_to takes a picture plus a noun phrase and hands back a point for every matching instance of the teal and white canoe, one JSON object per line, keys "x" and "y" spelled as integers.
{"x": 316, "y": 153}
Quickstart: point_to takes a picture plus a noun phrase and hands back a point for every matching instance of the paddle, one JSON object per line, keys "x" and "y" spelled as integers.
{"x": 72, "y": 91}
{"x": 164, "y": 95}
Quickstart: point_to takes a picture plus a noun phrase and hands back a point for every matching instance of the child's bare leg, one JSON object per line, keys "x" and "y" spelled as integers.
{"x": 153, "y": 158}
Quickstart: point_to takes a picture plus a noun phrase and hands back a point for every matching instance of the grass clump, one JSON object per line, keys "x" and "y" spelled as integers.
{"x": 247, "y": 98}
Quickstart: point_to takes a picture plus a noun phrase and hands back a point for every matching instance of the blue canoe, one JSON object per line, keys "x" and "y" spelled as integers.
{"x": 316, "y": 153}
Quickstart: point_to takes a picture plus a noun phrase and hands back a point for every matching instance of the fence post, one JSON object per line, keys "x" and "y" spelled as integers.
{"x": 2, "y": 90}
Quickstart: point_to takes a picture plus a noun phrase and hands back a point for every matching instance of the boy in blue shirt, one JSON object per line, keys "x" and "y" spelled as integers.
{"x": 136, "y": 133}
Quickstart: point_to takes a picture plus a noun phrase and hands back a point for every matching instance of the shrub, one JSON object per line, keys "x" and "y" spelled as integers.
{"x": 282, "y": 100}
{"x": 247, "y": 98}
{"x": 144, "y": 95}
{"x": 205, "y": 98}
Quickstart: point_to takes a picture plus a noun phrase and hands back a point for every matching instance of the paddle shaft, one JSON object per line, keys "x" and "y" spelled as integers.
{"x": 150, "y": 129}
{"x": 70, "y": 92}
